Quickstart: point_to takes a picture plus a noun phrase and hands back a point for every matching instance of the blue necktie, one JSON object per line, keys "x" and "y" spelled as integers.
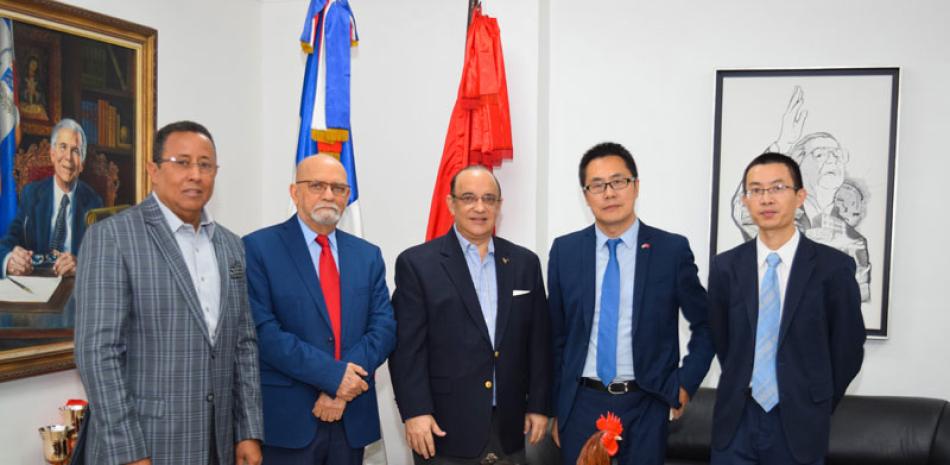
{"x": 609, "y": 317}
{"x": 764, "y": 381}
{"x": 58, "y": 239}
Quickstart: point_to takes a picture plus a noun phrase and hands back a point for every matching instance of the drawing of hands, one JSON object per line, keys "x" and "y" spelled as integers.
{"x": 793, "y": 122}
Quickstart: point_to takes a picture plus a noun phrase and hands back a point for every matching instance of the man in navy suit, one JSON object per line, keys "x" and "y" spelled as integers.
{"x": 472, "y": 367}
{"x": 324, "y": 324}
{"x": 51, "y": 216}
{"x": 785, "y": 313}
{"x": 615, "y": 290}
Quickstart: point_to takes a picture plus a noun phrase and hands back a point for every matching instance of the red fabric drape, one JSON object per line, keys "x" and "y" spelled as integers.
{"x": 480, "y": 128}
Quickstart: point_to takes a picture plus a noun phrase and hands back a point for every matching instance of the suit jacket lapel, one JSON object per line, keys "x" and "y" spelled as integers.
{"x": 588, "y": 252}
{"x": 298, "y": 253}
{"x": 223, "y": 256}
{"x": 80, "y": 206}
{"x": 456, "y": 268}
{"x": 44, "y": 217}
{"x": 801, "y": 268}
{"x": 505, "y": 276}
{"x": 642, "y": 270}
{"x": 748, "y": 271}
{"x": 345, "y": 253}
{"x": 164, "y": 240}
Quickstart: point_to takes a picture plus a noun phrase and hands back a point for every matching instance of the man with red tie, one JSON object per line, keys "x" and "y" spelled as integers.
{"x": 324, "y": 324}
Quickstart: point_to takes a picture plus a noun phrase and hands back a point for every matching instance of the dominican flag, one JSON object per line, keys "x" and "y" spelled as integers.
{"x": 329, "y": 32}
{"x": 8, "y": 122}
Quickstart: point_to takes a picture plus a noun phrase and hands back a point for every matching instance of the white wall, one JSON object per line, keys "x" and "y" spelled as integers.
{"x": 641, "y": 73}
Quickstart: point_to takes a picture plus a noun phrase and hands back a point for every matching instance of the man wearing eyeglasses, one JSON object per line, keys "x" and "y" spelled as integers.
{"x": 471, "y": 370}
{"x": 324, "y": 322}
{"x": 165, "y": 342}
{"x": 785, "y": 313}
{"x": 615, "y": 290}
{"x": 51, "y": 217}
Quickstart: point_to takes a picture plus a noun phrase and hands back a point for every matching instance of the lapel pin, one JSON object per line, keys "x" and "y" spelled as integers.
{"x": 645, "y": 245}
{"x": 504, "y": 260}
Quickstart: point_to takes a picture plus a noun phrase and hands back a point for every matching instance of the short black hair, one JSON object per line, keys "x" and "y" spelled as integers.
{"x": 179, "y": 126}
{"x": 774, "y": 157}
{"x": 474, "y": 168}
{"x": 606, "y": 149}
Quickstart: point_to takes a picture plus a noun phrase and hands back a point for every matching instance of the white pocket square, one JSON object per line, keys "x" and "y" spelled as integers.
{"x": 517, "y": 292}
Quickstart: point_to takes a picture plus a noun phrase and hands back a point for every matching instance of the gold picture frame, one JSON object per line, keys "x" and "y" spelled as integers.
{"x": 100, "y": 71}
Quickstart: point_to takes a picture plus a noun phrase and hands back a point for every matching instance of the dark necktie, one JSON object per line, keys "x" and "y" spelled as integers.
{"x": 330, "y": 284}
{"x": 58, "y": 239}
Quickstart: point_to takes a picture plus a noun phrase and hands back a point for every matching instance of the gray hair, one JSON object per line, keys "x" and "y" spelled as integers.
{"x": 71, "y": 124}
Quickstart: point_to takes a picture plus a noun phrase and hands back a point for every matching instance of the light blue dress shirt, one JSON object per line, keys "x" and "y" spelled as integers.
{"x": 310, "y": 236}
{"x": 485, "y": 281}
{"x": 627, "y": 258}
{"x": 198, "y": 251}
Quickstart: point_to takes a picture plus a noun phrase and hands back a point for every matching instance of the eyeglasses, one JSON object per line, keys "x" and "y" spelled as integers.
{"x": 773, "y": 191}
{"x": 40, "y": 260}
{"x": 490, "y": 200}
{"x": 204, "y": 166}
{"x": 599, "y": 187}
{"x": 318, "y": 187}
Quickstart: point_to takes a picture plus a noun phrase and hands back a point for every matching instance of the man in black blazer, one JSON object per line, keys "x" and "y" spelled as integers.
{"x": 786, "y": 318}
{"x": 472, "y": 365}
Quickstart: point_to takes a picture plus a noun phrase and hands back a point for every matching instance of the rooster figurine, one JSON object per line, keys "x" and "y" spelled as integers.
{"x": 603, "y": 444}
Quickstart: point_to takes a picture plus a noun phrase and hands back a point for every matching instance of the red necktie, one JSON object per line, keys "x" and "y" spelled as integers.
{"x": 330, "y": 283}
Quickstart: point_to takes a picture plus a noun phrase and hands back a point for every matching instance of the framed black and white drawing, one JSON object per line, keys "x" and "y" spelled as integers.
{"x": 840, "y": 125}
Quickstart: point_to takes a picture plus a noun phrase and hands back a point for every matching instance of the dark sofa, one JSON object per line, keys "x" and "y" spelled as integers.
{"x": 865, "y": 430}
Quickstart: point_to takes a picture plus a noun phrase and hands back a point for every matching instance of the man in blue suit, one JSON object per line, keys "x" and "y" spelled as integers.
{"x": 615, "y": 290}
{"x": 51, "y": 216}
{"x": 324, "y": 324}
{"x": 785, "y": 313}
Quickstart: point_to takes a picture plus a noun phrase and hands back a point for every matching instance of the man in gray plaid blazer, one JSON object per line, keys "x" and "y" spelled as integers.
{"x": 165, "y": 343}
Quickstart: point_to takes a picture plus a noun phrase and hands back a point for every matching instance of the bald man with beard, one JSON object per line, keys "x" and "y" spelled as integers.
{"x": 324, "y": 321}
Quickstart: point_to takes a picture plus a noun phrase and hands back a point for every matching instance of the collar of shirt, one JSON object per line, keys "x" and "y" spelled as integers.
{"x": 59, "y": 193}
{"x": 628, "y": 238}
{"x": 786, "y": 252}
{"x": 471, "y": 250}
{"x": 175, "y": 223}
{"x": 310, "y": 236}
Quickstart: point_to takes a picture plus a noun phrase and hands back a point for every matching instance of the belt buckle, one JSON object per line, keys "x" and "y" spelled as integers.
{"x": 621, "y": 388}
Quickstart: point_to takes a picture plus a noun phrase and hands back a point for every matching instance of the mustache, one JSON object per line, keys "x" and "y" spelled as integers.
{"x": 322, "y": 205}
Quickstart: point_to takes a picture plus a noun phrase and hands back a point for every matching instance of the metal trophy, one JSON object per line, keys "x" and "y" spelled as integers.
{"x": 73, "y": 413}
{"x": 56, "y": 443}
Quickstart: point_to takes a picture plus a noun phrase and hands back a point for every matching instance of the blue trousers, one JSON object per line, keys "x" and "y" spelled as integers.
{"x": 644, "y": 419}
{"x": 328, "y": 447}
{"x": 759, "y": 440}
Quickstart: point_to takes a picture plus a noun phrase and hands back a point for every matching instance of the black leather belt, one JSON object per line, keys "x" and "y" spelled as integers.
{"x": 612, "y": 388}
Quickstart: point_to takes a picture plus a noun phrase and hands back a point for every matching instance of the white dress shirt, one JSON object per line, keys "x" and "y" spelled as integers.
{"x": 787, "y": 253}
{"x": 198, "y": 251}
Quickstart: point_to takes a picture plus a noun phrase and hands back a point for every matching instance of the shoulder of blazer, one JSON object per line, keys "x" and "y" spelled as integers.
{"x": 426, "y": 251}
{"x": 85, "y": 194}
{"x": 735, "y": 254}
{"x": 37, "y": 190}
{"x": 345, "y": 239}
{"x": 830, "y": 256}
{"x": 574, "y": 238}
{"x": 504, "y": 246}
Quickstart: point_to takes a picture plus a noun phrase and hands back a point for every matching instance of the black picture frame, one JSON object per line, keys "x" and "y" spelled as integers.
{"x": 840, "y": 124}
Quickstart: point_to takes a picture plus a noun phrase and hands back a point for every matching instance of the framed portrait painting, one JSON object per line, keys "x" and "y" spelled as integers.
{"x": 840, "y": 126}
{"x": 64, "y": 63}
